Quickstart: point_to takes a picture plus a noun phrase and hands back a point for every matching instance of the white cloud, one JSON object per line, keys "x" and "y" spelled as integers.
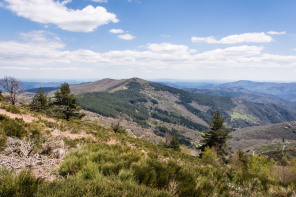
{"x": 277, "y": 33}
{"x": 65, "y": 2}
{"x": 126, "y": 37}
{"x": 53, "y": 12}
{"x": 116, "y": 31}
{"x": 42, "y": 51}
{"x": 235, "y": 39}
{"x": 100, "y": 1}
{"x": 39, "y": 36}
{"x": 168, "y": 48}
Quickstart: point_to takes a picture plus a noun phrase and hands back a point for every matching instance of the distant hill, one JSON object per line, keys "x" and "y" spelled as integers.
{"x": 247, "y": 95}
{"x": 36, "y": 85}
{"x": 286, "y": 91}
{"x": 149, "y": 104}
{"x": 275, "y": 140}
{"x": 198, "y": 84}
{"x": 45, "y": 89}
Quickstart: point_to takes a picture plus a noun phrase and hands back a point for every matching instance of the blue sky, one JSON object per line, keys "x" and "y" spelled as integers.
{"x": 152, "y": 39}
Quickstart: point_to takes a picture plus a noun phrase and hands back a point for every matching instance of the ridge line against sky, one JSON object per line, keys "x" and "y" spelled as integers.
{"x": 177, "y": 39}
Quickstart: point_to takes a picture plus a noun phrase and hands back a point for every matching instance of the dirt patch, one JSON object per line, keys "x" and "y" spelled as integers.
{"x": 112, "y": 142}
{"x": 67, "y": 134}
{"x": 25, "y": 117}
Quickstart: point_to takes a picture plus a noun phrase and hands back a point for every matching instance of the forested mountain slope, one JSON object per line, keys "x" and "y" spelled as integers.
{"x": 148, "y": 103}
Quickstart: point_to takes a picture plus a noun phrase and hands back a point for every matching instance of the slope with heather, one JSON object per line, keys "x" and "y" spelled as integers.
{"x": 82, "y": 158}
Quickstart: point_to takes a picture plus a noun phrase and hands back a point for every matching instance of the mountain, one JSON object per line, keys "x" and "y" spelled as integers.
{"x": 28, "y": 86}
{"x": 45, "y": 89}
{"x": 151, "y": 104}
{"x": 245, "y": 94}
{"x": 198, "y": 84}
{"x": 286, "y": 91}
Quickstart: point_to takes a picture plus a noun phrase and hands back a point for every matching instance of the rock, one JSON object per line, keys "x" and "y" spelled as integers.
{"x": 54, "y": 149}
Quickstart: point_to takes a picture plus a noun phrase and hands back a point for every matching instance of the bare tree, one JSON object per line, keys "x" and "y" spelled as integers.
{"x": 13, "y": 87}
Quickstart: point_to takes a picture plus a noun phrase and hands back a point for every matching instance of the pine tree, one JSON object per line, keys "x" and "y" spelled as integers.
{"x": 39, "y": 102}
{"x": 217, "y": 136}
{"x": 66, "y": 101}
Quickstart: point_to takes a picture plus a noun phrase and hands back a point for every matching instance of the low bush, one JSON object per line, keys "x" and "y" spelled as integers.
{"x": 3, "y": 140}
{"x": 23, "y": 184}
{"x": 13, "y": 109}
{"x": 12, "y": 127}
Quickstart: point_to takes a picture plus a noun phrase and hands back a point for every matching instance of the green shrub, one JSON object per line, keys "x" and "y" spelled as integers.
{"x": 187, "y": 185}
{"x": 13, "y": 109}
{"x": 261, "y": 167}
{"x": 3, "y": 140}
{"x": 209, "y": 156}
{"x": 70, "y": 143}
{"x": 126, "y": 175}
{"x": 13, "y": 127}
{"x": 144, "y": 174}
{"x": 22, "y": 185}
{"x": 117, "y": 128}
{"x": 35, "y": 135}
{"x": 100, "y": 186}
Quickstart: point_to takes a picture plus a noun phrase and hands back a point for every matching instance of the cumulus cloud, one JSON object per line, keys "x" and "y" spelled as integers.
{"x": 126, "y": 37}
{"x": 45, "y": 52}
{"x": 168, "y": 48}
{"x": 116, "y": 31}
{"x": 54, "y": 12}
{"x": 277, "y": 32}
{"x": 235, "y": 39}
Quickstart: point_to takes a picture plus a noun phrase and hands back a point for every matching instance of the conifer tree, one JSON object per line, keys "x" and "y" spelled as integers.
{"x": 39, "y": 101}
{"x": 217, "y": 136}
{"x": 66, "y": 101}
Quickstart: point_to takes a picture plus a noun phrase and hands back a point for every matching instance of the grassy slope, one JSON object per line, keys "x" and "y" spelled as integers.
{"x": 116, "y": 164}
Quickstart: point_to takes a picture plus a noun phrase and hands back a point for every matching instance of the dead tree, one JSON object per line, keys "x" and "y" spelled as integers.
{"x": 13, "y": 87}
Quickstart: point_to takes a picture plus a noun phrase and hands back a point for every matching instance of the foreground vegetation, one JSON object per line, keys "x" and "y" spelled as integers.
{"x": 102, "y": 170}
{"x": 112, "y": 163}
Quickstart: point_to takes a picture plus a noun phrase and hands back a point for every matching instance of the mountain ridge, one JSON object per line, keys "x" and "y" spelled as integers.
{"x": 162, "y": 102}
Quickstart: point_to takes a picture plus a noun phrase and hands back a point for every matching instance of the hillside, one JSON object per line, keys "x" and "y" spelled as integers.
{"x": 43, "y": 156}
{"x": 284, "y": 91}
{"x": 275, "y": 140}
{"x": 246, "y": 95}
{"x": 149, "y": 104}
